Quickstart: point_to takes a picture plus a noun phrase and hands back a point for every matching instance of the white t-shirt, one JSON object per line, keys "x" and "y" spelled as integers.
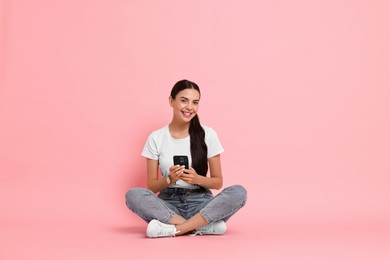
{"x": 161, "y": 146}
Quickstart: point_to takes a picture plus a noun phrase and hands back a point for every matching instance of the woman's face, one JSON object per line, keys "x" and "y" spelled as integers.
{"x": 185, "y": 105}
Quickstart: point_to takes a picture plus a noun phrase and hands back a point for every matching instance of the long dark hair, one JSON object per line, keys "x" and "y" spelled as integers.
{"x": 196, "y": 131}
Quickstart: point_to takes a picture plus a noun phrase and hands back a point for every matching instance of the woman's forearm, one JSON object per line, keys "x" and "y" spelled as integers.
{"x": 210, "y": 182}
{"x": 158, "y": 185}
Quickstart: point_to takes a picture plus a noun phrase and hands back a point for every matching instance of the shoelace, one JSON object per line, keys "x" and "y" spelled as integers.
{"x": 167, "y": 231}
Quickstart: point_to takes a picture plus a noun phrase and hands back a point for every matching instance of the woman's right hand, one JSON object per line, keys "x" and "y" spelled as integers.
{"x": 175, "y": 172}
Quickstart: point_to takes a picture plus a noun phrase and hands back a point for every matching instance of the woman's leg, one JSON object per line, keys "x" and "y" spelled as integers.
{"x": 191, "y": 224}
{"x": 148, "y": 206}
{"x": 221, "y": 207}
{"x": 177, "y": 219}
{"x": 225, "y": 204}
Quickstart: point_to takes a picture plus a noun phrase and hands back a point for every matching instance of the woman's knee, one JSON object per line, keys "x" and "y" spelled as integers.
{"x": 135, "y": 195}
{"x": 239, "y": 192}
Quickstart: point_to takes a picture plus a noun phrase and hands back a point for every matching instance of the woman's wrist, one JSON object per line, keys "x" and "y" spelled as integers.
{"x": 168, "y": 180}
{"x": 200, "y": 180}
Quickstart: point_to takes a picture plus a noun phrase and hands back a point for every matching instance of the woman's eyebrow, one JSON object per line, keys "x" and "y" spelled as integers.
{"x": 188, "y": 99}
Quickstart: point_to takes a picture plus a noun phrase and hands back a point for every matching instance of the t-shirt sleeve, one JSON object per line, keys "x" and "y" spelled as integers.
{"x": 150, "y": 149}
{"x": 214, "y": 146}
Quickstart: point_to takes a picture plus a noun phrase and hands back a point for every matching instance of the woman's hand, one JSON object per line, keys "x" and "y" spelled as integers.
{"x": 190, "y": 176}
{"x": 175, "y": 172}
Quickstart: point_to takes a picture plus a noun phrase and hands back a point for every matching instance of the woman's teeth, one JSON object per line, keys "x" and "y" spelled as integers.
{"x": 186, "y": 114}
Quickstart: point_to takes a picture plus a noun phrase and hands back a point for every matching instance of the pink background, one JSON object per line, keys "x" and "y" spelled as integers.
{"x": 298, "y": 92}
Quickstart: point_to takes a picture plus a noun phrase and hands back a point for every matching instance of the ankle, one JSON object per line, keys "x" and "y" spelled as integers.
{"x": 178, "y": 230}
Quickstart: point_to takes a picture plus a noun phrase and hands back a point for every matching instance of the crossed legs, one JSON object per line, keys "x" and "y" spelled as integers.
{"x": 221, "y": 207}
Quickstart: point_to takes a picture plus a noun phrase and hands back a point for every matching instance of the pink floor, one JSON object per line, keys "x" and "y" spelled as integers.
{"x": 26, "y": 239}
{"x": 35, "y": 227}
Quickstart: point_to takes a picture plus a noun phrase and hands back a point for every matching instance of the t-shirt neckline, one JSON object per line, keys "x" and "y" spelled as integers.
{"x": 173, "y": 138}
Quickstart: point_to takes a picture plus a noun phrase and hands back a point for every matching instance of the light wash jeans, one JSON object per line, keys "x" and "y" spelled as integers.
{"x": 186, "y": 203}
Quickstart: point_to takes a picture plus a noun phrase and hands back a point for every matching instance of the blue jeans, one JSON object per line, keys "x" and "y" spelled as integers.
{"x": 186, "y": 203}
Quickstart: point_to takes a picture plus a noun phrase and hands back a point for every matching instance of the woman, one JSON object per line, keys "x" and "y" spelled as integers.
{"x": 185, "y": 203}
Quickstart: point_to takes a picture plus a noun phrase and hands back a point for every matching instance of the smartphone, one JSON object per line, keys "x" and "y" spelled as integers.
{"x": 181, "y": 160}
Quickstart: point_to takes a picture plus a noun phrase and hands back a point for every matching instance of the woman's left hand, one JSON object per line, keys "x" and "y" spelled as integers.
{"x": 190, "y": 176}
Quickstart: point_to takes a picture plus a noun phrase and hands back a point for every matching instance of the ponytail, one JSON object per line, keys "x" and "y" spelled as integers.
{"x": 198, "y": 147}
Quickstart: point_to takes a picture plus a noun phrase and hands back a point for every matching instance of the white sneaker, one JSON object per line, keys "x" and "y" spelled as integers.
{"x": 158, "y": 229}
{"x": 214, "y": 228}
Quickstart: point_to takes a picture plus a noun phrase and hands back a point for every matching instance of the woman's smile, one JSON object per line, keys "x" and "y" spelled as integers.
{"x": 187, "y": 114}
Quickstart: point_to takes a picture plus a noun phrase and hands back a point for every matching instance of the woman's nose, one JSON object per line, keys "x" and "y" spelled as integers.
{"x": 189, "y": 106}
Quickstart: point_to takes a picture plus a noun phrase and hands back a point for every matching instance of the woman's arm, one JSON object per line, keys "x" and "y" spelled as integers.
{"x": 153, "y": 182}
{"x": 215, "y": 181}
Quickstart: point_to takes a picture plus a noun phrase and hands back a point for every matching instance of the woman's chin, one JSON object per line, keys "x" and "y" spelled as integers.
{"x": 186, "y": 120}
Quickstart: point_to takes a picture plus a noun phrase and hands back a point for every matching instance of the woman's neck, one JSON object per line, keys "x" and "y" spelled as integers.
{"x": 179, "y": 130}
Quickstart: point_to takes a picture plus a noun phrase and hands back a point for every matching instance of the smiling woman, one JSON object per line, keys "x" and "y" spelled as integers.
{"x": 185, "y": 203}
{"x": 187, "y": 104}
